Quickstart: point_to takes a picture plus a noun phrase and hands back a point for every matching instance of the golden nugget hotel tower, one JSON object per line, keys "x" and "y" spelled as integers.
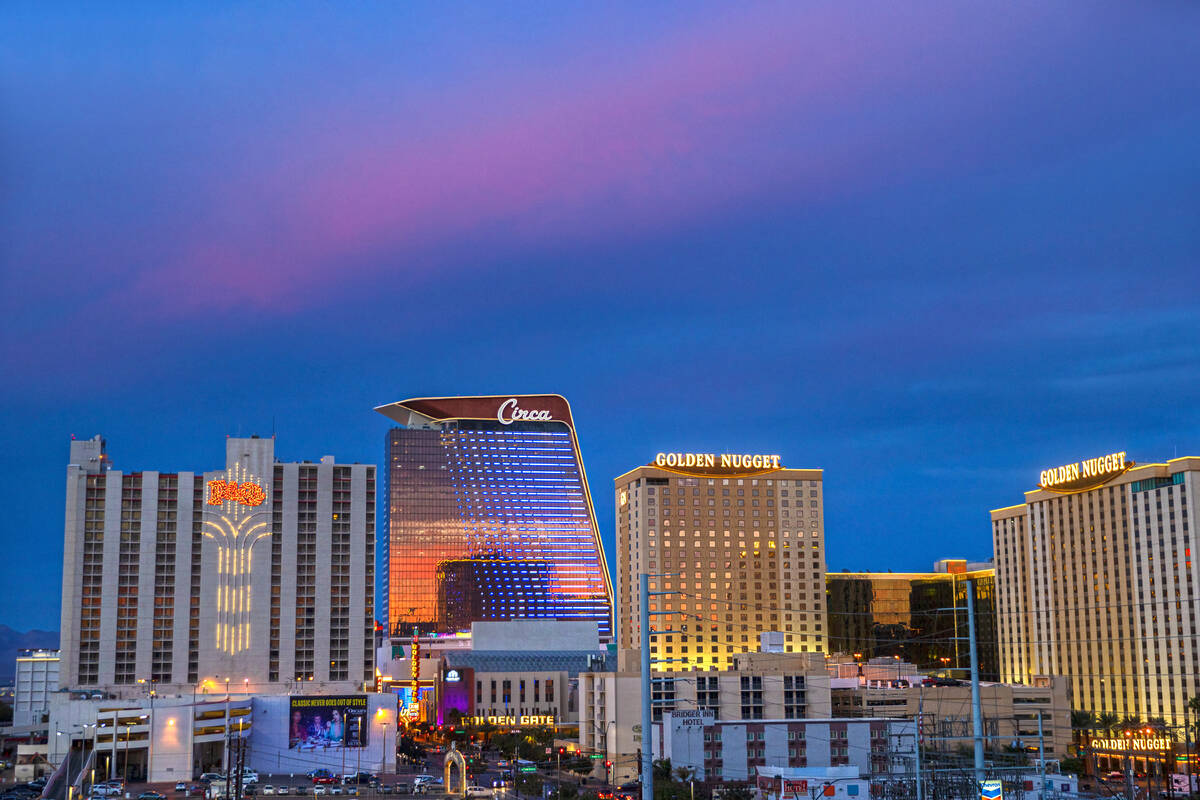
{"x": 1096, "y": 580}
{"x": 740, "y": 542}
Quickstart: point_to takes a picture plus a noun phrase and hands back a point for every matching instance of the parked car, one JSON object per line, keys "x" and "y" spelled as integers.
{"x": 319, "y": 789}
{"x": 249, "y": 776}
{"x": 283, "y": 790}
{"x": 209, "y": 777}
{"x": 151, "y": 796}
{"x": 478, "y": 791}
{"x": 181, "y": 786}
{"x": 335, "y": 789}
{"x": 268, "y": 790}
{"x": 301, "y": 789}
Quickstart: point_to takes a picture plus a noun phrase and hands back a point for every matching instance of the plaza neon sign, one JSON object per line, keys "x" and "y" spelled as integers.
{"x": 246, "y": 493}
{"x": 1084, "y": 475}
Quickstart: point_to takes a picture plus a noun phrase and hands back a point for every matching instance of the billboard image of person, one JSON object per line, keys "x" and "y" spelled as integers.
{"x": 319, "y": 723}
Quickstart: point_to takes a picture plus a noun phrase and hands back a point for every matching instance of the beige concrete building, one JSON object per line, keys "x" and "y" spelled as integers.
{"x": 258, "y": 576}
{"x": 743, "y": 541}
{"x": 1096, "y": 581}
{"x": 1010, "y": 712}
{"x": 759, "y": 686}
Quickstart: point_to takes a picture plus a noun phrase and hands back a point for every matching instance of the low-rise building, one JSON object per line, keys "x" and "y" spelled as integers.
{"x": 1010, "y": 711}
{"x": 735, "y": 750}
{"x": 36, "y": 678}
{"x": 760, "y": 686}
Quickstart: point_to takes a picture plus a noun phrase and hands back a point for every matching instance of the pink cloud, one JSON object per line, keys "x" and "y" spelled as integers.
{"x": 693, "y": 124}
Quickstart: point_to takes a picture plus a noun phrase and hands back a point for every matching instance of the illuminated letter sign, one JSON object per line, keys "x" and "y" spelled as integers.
{"x": 515, "y": 414}
{"x": 711, "y": 463}
{"x": 1133, "y": 744}
{"x": 1084, "y": 475}
{"x": 452, "y": 676}
{"x": 246, "y": 493}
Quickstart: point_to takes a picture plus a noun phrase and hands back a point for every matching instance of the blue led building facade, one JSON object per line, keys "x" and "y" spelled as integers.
{"x": 488, "y": 515}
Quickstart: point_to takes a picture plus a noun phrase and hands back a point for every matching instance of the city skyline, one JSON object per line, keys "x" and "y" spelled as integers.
{"x": 933, "y": 251}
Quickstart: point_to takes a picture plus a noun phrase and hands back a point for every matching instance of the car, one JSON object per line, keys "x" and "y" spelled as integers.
{"x": 385, "y": 788}
{"x": 283, "y": 790}
{"x": 209, "y": 777}
{"x": 352, "y": 791}
{"x": 423, "y": 778}
{"x": 181, "y": 786}
{"x": 151, "y": 796}
{"x": 1114, "y": 776}
{"x": 268, "y": 790}
{"x": 319, "y": 789}
{"x": 250, "y": 791}
{"x": 401, "y": 788}
{"x": 478, "y": 791}
{"x": 249, "y": 776}
{"x": 335, "y": 789}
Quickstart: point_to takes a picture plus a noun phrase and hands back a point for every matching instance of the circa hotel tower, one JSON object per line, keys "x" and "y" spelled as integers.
{"x": 489, "y": 515}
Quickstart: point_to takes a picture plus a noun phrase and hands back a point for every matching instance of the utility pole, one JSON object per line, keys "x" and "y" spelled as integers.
{"x": 647, "y": 746}
{"x": 920, "y": 723}
{"x": 1041, "y": 759}
{"x": 976, "y": 707}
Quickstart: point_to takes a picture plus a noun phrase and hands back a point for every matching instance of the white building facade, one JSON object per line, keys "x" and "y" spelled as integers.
{"x": 36, "y": 678}
{"x": 257, "y": 577}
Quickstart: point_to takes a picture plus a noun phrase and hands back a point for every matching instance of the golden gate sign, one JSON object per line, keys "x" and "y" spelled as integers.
{"x": 546, "y": 719}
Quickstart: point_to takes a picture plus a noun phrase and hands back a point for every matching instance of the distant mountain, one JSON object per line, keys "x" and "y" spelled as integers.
{"x": 11, "y": 641}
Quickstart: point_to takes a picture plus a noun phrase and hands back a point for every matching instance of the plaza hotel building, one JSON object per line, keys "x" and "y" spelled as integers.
{"x": 258, "y": 575}
{"x": 735, "y": 546}
{"x": 1096, "y": 580}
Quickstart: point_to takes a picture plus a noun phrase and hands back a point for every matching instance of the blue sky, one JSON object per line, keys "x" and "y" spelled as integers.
{"x": 931, "y": 250}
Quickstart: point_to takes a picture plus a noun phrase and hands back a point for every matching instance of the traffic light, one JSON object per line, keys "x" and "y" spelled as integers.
{"x": 607, "y": 764}
{"x": 562, "y": 750}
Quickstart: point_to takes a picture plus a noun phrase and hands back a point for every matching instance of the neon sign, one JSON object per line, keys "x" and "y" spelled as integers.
{"x": 1084, "y": 475}
{"x": 710, "y": 460}
{"x": 516, "y": 414}
{"x": 246, "y": 493}
{"x": 1139, "y": 744}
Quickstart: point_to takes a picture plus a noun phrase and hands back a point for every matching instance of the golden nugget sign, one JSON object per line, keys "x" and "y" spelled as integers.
{"x": 1083, "y": 475}
{"x": 724, "y": 460}
{"x": 547, "y": 719}
{"x": 1137, "y": 744}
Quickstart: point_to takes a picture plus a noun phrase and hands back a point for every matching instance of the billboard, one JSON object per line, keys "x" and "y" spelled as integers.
{"x": 322, "y": 722}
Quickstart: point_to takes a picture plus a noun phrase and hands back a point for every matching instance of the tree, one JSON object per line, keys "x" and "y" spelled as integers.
{"x": 1073, "y": 765}
{"x": 1108, "y": 722}
{"x": 1082, "y": 722}
{"x": 662, "y": 770}
{"x": 684, "y": 774}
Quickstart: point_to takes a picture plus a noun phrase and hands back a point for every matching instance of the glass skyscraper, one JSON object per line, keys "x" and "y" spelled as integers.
{"x": 489, "y": 516}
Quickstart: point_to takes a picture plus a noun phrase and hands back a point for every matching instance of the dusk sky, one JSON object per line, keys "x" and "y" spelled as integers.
{"x": 931, "y": 248}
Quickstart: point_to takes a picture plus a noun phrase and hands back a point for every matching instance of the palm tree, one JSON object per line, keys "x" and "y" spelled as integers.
{"x": 1082, "y": 722}
{"x": 1107, "y": 722}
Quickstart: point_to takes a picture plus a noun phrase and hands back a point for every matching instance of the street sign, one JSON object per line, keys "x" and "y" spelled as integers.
{"x": 990, "y": 790}
{"x": 530, "y": 768}
{"x": 596, "y": 756}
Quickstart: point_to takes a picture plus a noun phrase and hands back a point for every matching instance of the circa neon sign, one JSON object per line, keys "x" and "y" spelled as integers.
{"x": 246, "y": 493}
{"x": 516, "y": 414}
{"x": 1083, "y": 475}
